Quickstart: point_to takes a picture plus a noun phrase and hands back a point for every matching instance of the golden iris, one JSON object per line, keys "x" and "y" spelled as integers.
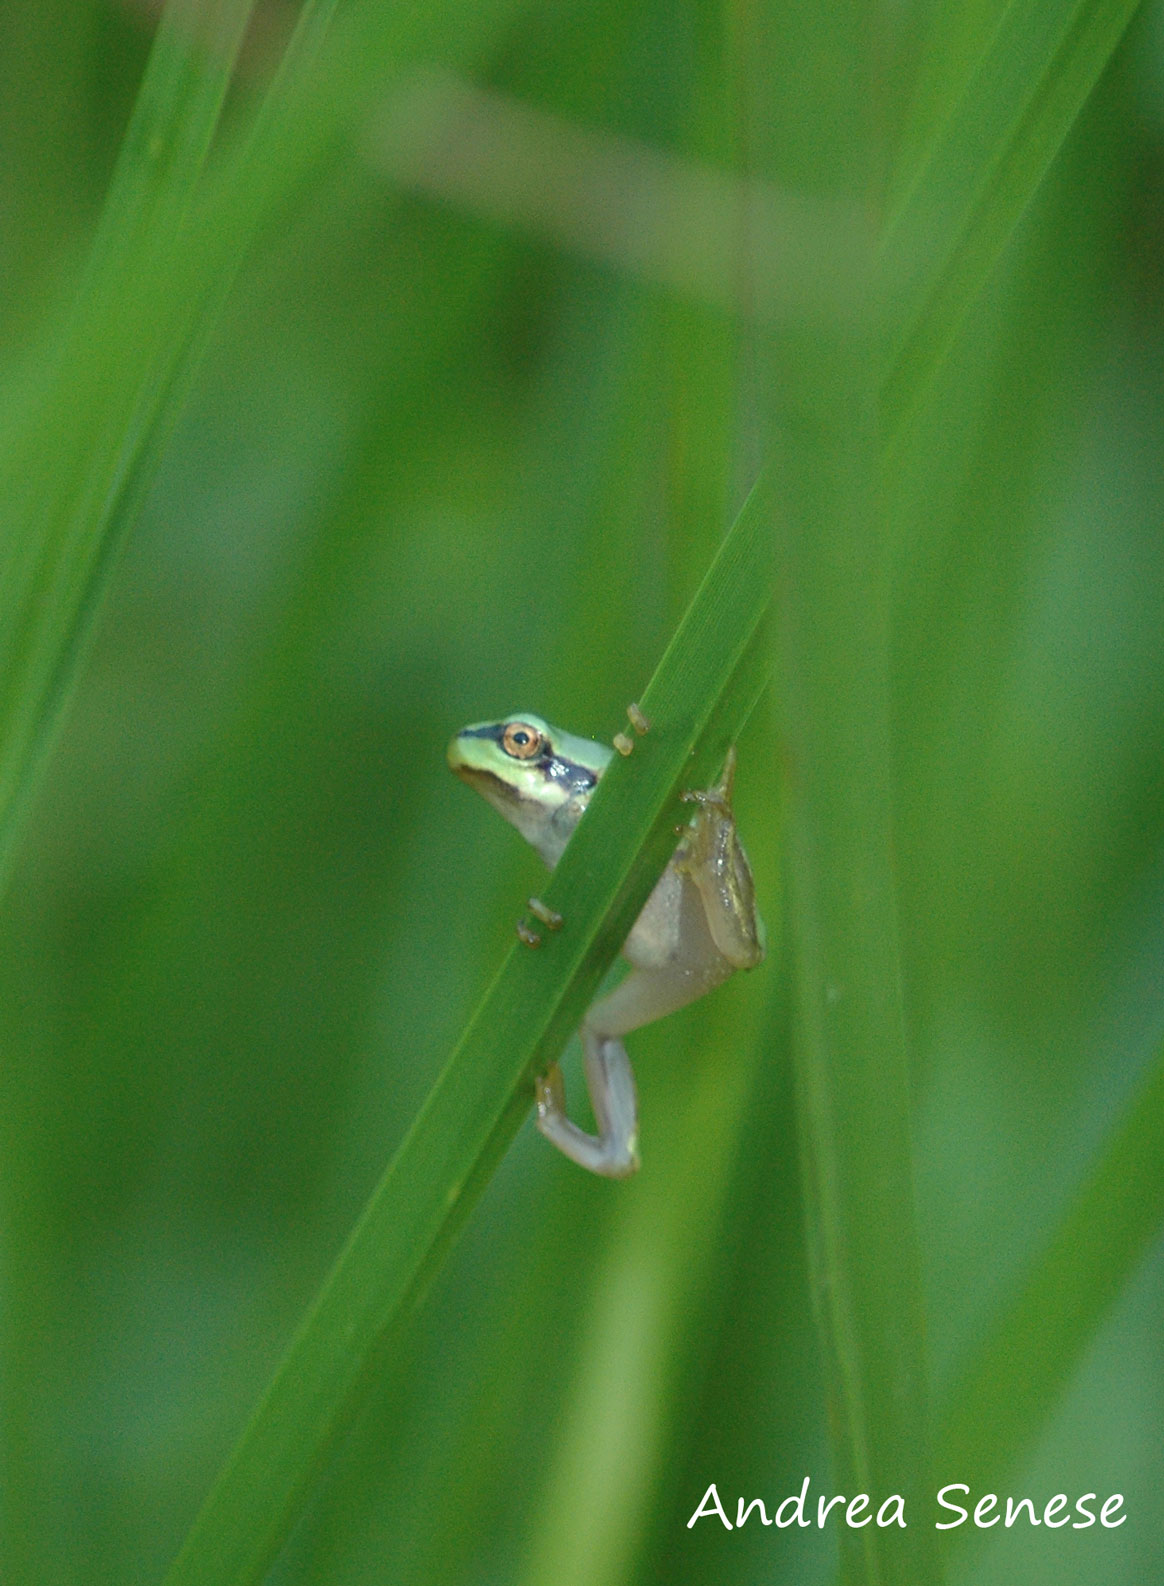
{"x": 521, "y": 740}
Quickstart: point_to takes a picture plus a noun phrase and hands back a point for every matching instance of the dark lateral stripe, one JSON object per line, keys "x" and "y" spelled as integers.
{"x": 555, "y": 768}
{"x": 579, "y": 776}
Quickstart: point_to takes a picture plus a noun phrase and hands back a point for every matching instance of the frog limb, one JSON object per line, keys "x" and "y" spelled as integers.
{"x": 613, "y": 1151}
{"x": 711, "y": 856}
{"x": 542, "y": 911}
{"x": 674, "y": 959}
{"x": 698, "y": 926}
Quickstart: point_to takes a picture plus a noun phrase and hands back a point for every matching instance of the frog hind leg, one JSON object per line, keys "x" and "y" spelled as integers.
{"x": 698, "y": 925}
{"x": 713, "y": 858}
{"x": 646, "y": 994}
{"x": 614, "y": 1151}
{"x": 657, "y": 984}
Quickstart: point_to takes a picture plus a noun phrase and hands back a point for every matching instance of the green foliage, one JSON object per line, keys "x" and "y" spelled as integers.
{"x": 354, "y": 403}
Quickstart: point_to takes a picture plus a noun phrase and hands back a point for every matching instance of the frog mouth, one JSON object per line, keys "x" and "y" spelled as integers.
{"x": 485, "y": 781}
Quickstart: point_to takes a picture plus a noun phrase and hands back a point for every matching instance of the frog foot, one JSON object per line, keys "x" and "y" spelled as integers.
{"x": 542, "y": 911}
{"x": 718, "y": 797}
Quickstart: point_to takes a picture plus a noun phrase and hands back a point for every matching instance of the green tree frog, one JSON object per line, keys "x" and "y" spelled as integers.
{"x": 697, "y": 927}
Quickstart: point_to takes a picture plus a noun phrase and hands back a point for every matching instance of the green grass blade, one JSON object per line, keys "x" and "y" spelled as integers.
{"x": 65, "y": 470}
{"x": 974, "y": 184}
{"x": 852, "y": 1068}
{"x": 76, "y": 474}
{"x": 702, "y": 692}
{"x": 980, "y": 173}
{"x": 852, "y": 1072}
{"x": 170, "y": 132}
{"x": 1005, "y": 1396}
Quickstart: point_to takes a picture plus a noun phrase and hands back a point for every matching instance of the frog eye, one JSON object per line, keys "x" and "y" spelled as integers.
{"x": 521, "y": 740}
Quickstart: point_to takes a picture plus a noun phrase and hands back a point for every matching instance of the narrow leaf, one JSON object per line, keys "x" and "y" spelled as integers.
{"x": 853, "y": 1096}
{"x": 75, "y": 472}
{"x": 73, "y": 456}
{"x": 981, "y": 172}
{"x": 697, "y": 702}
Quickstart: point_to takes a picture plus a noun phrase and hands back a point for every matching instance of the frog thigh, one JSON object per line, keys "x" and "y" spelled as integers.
{"x": 656, "y": 936}
{"x": 715, "y": 863}
{"x": 673, "y": 957}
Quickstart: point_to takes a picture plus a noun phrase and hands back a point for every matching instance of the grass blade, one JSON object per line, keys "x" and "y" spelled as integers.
{"x": 852, "y": 1073}
{"x": 852, "y": 1069}
{"x": 980, "y": 173}
{"x": 75, "y": 455}
{"x": 161, "y": 270}
{"x": 974, "y": 184}
{"x": 701, "y": 694}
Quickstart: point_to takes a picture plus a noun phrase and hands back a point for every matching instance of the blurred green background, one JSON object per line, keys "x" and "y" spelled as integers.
{"x": 452, "y": 454}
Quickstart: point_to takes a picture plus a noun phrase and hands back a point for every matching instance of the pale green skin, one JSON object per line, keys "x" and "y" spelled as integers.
{"x": 697, "y": 927}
